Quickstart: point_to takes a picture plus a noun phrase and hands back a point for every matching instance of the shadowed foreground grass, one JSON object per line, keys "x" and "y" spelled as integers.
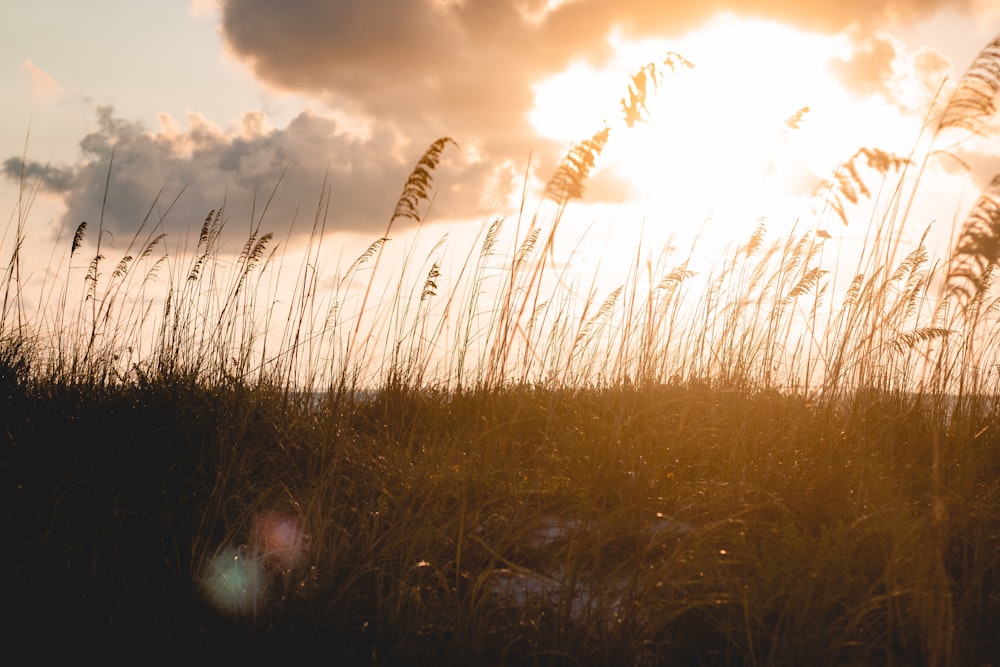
{"x": 766, "y": 464}
{"x": 655, "y": 525}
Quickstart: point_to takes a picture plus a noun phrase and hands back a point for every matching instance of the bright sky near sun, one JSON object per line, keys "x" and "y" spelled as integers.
{"x": 215, "y": 100}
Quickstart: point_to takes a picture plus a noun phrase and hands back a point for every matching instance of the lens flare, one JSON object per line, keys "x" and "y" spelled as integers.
{"x": 234, "y": 581}
{"x": 279, "y": 538}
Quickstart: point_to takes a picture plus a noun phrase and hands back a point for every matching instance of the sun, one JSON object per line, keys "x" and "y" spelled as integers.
{"x": 733, "y": 138}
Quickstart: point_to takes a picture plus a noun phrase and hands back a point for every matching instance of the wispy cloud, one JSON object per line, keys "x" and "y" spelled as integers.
{"x": 202, "y": 8}
{"x": 43, "y": 86}
{"x": 869, "y": 67}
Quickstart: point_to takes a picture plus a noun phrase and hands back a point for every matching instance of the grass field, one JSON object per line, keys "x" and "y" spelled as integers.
{"x": 762, "y": 464}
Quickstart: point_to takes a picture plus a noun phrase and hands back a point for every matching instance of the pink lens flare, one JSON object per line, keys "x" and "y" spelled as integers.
{"x": 279, "y": 538}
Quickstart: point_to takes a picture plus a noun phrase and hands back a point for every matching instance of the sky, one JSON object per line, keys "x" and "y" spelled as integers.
{"x": 238, "y": 103}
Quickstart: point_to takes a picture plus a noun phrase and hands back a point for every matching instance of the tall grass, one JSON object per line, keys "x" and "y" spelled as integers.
{"x": 754, "y": 460}
{"x": 763, "y": 314}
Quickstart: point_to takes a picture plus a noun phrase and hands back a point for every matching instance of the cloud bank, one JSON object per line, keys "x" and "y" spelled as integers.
{"x": 236, "y": 169}
{"x": 416, "y": 70}
{"x": 465, "y": 67}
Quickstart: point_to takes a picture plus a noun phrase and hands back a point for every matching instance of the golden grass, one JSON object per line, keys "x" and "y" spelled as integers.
{"x": 763, "y": 463}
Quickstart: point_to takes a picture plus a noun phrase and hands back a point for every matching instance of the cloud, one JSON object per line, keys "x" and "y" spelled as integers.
{"x": 471, "y": 62}
{"x": 987, "y": 11}
{"x": 465, "y": 68}
{"x": 931, "y": 66}
{"x": 881, "y": 65}
{"x": 427, "y": 69}
{"x": 415, "y": 70}
{"x": 870, "y": 66}
{"x": 202, "y": 8}
{"x": 977, "y": 157}
{"x": 923, "y": 73}
{"x": 43, "y": 86}
{"x": 238, "y": 168}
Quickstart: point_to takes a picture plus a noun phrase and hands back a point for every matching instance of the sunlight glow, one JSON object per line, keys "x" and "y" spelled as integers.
{"x": 718, "y": 141}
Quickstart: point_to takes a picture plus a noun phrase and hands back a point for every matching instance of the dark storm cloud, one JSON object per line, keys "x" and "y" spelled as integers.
{"x": 233, "y": 168}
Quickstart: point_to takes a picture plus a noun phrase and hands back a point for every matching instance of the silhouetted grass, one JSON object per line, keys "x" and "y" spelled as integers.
{"x": 672, "y": 523}
{"x": 753, "y": 465}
